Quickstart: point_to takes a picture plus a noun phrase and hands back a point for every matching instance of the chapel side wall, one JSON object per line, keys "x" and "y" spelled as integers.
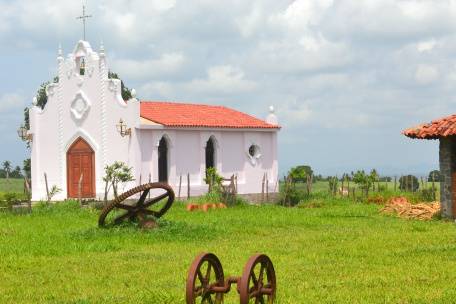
{"x": 187, "y": 155}
{"x": 250, "y": 171}
{"x": 447, "y": 167}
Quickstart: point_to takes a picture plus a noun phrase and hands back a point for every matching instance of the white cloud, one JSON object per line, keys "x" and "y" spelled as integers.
{"x": 10, "y": 102}
{"x": 222, "y": 79}
{"x": 301, "y": 14}
{"x": 426, "y": 74}
{"x": 294, "y": 113}
{"x": 426, "y": 46}
{"x": 167, "y": 64}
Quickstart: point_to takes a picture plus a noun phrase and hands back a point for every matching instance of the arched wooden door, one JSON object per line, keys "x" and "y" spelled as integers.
{"x": 81, "y": 160}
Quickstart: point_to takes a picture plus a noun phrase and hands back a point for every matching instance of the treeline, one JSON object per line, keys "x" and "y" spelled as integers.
{"x": 303, "y": 172}
{"x": 7, "y": 170}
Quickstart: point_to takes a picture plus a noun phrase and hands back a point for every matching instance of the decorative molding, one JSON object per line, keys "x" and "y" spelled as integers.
{"x": 50, "y": 89}
{"x": 90, "y": 66}
{"x": 79, "y": 80}
{"x": 103, "y": 118}
{"x": 255, "y": 159}
{"x": 80, "y": 106}
{"x": 70, "y": 67}
{"x": 84, "y": 135}
{"x": 112, "y": 85}
{"x": 61, "y": 158}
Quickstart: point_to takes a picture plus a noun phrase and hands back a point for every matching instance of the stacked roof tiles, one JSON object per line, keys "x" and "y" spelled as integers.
{"x": 438, "y": 128}
{"x": 186, "y": 115}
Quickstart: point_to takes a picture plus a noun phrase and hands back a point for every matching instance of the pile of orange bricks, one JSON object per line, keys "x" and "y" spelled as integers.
{"x": 205, "y": 207}
{"x": 403, "y": 208}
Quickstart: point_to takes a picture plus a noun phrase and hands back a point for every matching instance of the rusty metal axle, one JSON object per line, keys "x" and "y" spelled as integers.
{"x": 206, "y": 283}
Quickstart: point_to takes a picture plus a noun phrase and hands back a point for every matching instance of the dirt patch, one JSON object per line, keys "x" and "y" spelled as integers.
{"x": 403, "y": 208}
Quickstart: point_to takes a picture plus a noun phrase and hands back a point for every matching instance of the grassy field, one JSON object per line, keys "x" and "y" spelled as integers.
{"x": 341, "y": 252}
{"x": 12, "y": 185}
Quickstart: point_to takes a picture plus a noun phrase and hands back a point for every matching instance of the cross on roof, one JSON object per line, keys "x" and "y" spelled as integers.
{"x": 84, "y": 17}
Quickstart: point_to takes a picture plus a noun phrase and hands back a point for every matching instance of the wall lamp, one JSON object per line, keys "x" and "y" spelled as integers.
{"x": 122, "y": 128}
{"x": 23, "y": 134}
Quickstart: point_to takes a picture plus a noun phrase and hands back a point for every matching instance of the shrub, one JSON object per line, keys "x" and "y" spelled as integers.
{"x": 409, "y": 183}
{"x": 289, "y": 194}
{"x": 300, "y": 173}
{"x": 434, "y": 176}
{"x": 427, "y": 195}
{"x": 10, "y": 199}
{"x": 214, "y": 180}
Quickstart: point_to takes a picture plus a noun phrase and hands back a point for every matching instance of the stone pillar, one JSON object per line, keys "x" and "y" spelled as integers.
{"x": 446, "y": 171}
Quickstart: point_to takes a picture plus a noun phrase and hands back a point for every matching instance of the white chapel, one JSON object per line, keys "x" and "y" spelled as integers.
{"x": 86, "y": 125}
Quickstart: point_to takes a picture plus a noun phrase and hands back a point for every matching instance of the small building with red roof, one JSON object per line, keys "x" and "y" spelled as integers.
{"x": 444, "y": 130}
{"x": 87, "y": 125}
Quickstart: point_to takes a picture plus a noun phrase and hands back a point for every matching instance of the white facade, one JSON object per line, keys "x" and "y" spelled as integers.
{"x": 89, "y": 106}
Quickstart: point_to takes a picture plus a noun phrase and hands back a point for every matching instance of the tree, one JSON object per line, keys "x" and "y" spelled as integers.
{"x": 116, "y": 173}
{"x": 27, "y": 167}
{"x": 16, "y": 173}
{"x": 363, "y": 180}
{"x": 7, "y": 167}
{"x": 126, "y": 92}
{"x": 300, "y": 173}
{"x": 409, "y": 183}
{"x": 434, "y": 175}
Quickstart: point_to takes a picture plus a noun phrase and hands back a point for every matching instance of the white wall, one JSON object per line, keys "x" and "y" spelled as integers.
{"x": 60, "y": 123}
{"x": 187, "y": 155}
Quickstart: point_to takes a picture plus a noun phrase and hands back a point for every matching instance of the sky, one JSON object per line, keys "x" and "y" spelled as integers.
{"x": 345, "y": 76}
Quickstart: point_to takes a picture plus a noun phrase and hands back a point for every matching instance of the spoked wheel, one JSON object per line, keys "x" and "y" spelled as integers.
{"x": 258, "y": 281}
{"x": 205, "y": 273}
{"x": 119, "y": 211}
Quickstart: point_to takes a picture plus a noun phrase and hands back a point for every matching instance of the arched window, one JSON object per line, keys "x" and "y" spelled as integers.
{"x": 210, "y": 153}
{"x": 163, "y": 160}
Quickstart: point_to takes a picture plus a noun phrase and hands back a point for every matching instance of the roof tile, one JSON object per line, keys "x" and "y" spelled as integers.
{"x": 172, "y": 114}
{"x": 442, "y": 127}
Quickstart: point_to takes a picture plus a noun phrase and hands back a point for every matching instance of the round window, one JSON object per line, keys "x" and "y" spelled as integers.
{"x": 254, "y": 151}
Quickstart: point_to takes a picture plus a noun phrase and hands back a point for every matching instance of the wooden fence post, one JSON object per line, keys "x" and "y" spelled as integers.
{"x": 28, "y": 192}
{"x": 267, "y": 188}
{"x": 433, "y": 187}
{"x": 236, "y": 182}
{"x": 180, "y": 186}
{"x": 188, "y": 185}
{"x": 395, "y": 180}
{"x": 150, "y": 180}
{"x": 262, "y": 188}
{"x": 47, "y": 187}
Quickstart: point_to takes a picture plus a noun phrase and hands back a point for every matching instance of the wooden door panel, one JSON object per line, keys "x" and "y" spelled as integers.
{"x": 81, "y": 159}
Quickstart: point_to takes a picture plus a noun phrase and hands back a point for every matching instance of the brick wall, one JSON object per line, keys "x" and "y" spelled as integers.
{"x": 446, "y": 158}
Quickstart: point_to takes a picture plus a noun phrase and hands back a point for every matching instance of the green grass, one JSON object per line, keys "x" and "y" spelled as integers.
{"x": 15, "y": 185}
{"x": 339, "y": 253}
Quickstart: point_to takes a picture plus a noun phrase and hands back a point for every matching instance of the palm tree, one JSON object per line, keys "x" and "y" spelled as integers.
{"x": 7, "y": 167}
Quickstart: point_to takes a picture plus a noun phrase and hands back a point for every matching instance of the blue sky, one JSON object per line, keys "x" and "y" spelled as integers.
{"x": 345, "y": 76}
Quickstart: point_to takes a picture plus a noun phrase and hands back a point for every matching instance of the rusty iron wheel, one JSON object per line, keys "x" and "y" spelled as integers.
{"x": 205, "y": 273}
{"x": 140, "y": 209}
{"x": 258, "y": 282}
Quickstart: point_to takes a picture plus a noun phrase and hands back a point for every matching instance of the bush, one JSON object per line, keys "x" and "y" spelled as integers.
{"x": 9, "y": 199}
{"x": 434, "y": 176}
{"x": 290, "y": 195}
{"x": 300, "y": 173}
{"x": 409, "y": 183}
{"x": 427, "y": 195}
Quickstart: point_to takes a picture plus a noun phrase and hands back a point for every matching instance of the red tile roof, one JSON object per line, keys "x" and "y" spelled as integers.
{"x": 438, "y": 128}
{"x": 183, "y": 115}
